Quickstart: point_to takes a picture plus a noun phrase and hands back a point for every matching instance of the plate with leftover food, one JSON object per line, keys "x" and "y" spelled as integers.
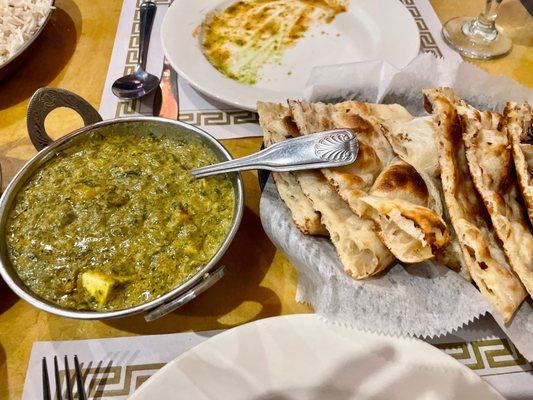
{"x": 305, "y": 357}
{"x": 240, "y": 51}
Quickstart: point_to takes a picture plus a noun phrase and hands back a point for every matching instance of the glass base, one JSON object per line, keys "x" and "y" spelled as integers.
{"x": 470, "y": 38}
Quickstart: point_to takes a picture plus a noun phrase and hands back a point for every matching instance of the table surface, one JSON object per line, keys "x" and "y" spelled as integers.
{"x": 73, "y": 52}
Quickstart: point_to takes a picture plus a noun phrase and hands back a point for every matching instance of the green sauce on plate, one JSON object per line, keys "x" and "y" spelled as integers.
{"x": 242, "y": 38}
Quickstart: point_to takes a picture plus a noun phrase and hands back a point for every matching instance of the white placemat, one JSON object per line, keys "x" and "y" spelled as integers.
{"x": 115, "y": 367}
{"x": 220, "y": 120}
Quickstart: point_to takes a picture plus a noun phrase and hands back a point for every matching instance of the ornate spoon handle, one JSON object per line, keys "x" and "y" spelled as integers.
{"x": 326, "y": 149}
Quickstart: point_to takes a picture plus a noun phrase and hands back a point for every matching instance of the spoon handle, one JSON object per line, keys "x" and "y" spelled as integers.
{"x": 326, "y": 149}
{"x": 147, "y": 14}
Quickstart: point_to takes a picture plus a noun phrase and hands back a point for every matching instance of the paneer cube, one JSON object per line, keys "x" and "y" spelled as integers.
{"x": 98, "y": 285}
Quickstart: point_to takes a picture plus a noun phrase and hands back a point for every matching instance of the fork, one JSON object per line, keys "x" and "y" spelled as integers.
{"x": 69, "y": 393}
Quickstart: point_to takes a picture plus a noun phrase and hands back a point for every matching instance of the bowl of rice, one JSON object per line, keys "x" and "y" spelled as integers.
{"x": 21, "y": 22}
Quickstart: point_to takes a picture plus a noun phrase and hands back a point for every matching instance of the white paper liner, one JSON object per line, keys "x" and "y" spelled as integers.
{"x": 425, "y": 300}
{"x": 412, "y": 300}
{"x": 380, "y": 82}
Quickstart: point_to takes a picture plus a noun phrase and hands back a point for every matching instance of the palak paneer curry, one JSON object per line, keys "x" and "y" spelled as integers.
{"x": 116, "y": 220}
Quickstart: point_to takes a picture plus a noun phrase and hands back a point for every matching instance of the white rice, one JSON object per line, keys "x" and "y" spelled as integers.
{"x": 19, "y": 20}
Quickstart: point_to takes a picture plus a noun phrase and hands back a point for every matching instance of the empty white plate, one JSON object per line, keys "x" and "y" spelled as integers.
{"x": 304, "y": 357}
{"x": 368, "y": 30}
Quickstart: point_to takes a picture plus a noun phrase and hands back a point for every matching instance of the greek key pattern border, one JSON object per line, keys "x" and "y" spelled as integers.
{"x": 233, "y": 117}
{"x": 427, "y": 41}
{"x": 110, "y": 380}
{"x": 485, "y": 357}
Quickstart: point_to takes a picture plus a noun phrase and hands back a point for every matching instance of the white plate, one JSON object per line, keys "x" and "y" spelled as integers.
{"x": 369, "y": 30}
{"x": 303, "y": 357}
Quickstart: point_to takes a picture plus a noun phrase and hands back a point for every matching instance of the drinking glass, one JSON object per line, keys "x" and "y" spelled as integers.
{"x": 478, "y": 37}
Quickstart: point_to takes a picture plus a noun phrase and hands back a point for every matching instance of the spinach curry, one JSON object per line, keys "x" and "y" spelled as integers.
{"x": 116, "y": 220}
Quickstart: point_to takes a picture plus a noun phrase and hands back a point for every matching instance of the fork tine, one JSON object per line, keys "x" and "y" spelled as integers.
{"x": 79, "y": 379}
{"x": 67, "y": 379}
{"x": 58, "y": 380}
{"x": 46, "y": 382}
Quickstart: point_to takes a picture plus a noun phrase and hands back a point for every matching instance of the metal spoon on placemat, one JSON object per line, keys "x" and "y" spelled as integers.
{"x": 326, "y": 149}
{"x": 140, "y": 82}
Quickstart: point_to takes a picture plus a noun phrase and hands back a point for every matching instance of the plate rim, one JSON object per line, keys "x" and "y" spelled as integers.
{"x": 212, "y": 93}
{"x": 336, "y": 326}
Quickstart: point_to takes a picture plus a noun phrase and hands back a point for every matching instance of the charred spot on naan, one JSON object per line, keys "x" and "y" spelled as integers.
{"x": 290, "y": 126}
{"x": 350, "y": 119}
{"x": 402, "y": 181}
{"x": 435, "y": 231}
{"x": 367, "y": 164}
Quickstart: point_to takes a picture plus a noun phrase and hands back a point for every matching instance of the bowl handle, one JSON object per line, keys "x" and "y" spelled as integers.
{"x": 208, "y": 280}
{"x": 44, "y": 101}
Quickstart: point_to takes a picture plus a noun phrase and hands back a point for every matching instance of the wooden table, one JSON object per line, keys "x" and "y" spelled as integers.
{"x": 73, "y": 53}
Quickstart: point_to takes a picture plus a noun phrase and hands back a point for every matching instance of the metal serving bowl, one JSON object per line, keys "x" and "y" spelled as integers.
{"x": 41, "y": 104}
{"x": 11, "y": 64}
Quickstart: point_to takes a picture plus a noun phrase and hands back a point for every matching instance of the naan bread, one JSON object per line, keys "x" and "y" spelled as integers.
{"x": 396, "y": 202}
{"x": 491, "y": 165}
{"x": 361, "y": 253}
{"x": 518, "y": 121}
{"x": 303, "y": 214}
{"x": 452, "y": 255}
{"x": 400, "y": 180}
{"x": 406, "y": 229}
{"x": 277, "y": 125}
{"x": 415, "y": 143}
{"x": 360, "y": 250}
{"x": 483, "y": 255}
{"x": 374, "y": 154}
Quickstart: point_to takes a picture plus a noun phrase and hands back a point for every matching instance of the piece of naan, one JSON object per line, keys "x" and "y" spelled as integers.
{"x": 303, "y": 214}
{"x": 397, "y": 203}
{"x": 452, "y": 256}
{"x": 406, "y": 228}
{"x": 491, "y": 166}
{"x": 361, "y": 252}
{"x": 518, "y": 120}
{"x": 278, "y": 125}
{"x": 483, "y": 255}
{"x": 374, "y": 151}
{"x": 414, "y": 142}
